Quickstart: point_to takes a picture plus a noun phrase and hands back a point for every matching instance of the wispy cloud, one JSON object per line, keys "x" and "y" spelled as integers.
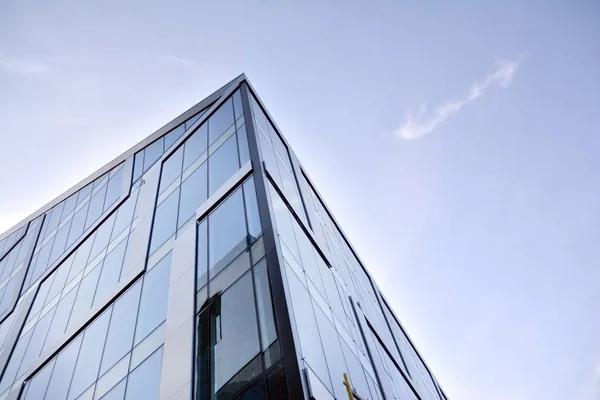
{"x": 176, "y": 59}
{"x": 23, "y": 66}
{"x": 424, "y": 121}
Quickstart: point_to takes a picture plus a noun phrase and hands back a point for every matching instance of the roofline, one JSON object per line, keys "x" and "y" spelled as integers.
{"x": 128, "y": 153}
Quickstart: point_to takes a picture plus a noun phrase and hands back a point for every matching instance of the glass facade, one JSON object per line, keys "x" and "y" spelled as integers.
{"x": 201, "y": 264}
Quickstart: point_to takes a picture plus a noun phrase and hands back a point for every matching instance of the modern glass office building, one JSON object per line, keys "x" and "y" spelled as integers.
{"x": 200, "y": 264}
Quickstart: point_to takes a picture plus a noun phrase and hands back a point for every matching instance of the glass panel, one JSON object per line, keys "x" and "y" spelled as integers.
{"x": 113, "y": 191}
{"x": 11, "y": 370}
{"x": 102, "y": 237}
{"x": 202, "y": 256}
{"x": 234, "y": 331}
{"x": 138, "y": 165}
{"x": 81, "y": 257}
{"x": 243, "y": 145}
{"x": 63, "y": 370}
{"x": 144, "y": 381}
{"x": 222, "y": 164}
{"x": 165, "y": 221}
{"x": 38, "y": 384}
{"x": 59, "y": 243}
{"x": 152, "y": 153}
{"x": 237, "y": 104}
{"x": 268, "y": 332}
{"x": 88, "y": 362}
{"x": 195, "y": 145}
{"x": 252, "y": 216}
{"x": 61, "y": 316}
{"x": 310, "y": 342}
{"x": 95, "y": 209}
{"x": 85, "y": 296}
{"x": 116, "y": 393}
{"x": 154, "y": 300}
{"x": 227, "y": 231}
{"x": 171, "y": 169}
{"x": 122, "y": 325}
{"x": 124, "y": 215}
{"x": 77, "y": 226}
{"x": 35, "y": 344}
{"x": 111, "y": 270}
{"x": 276, "y": 386}
{"x": 193, "y": 194}
{"x": 172, "y": 136}
{"x": 220, "y": 121}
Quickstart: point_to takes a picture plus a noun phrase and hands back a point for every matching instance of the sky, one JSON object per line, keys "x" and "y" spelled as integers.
{"x": 457, "y": 143}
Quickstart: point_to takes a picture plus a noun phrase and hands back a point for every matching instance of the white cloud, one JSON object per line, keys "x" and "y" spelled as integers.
{"x": 22, "y": 66}
{"x": 178, "y": 60}
{"x": 424, "y": 122}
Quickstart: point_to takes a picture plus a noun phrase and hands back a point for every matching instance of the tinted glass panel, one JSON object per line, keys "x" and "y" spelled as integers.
{"x": 220, "y": 120}
{"x": 222, "y": 164}
{"x": 152, "y": 153}
{"x": 171, "y": 169}
{"x": 144, "y": 381}
{"x": 165, "y": 221}
{"x": 195, "y": 145}
{"x": 122, "y": 324}
{"x": 95, "y": 209}
{"x": 63, "y": 371}
{"x": 193, "y": 194}
{"x": 154, "y": 300}
{"x": 227, "y": 231}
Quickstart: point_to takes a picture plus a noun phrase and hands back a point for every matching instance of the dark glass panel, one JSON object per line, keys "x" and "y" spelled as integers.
{"x": 276, "y": 386}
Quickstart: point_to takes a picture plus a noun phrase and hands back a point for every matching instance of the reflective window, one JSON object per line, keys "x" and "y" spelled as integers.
{"x": 220, "y": 121}
{"x": 154, "y": 300}
{"x": 63, "y": 370}
{"x": 111, "y": 271}
{"x": 195, "y": 145}
{"x": 113, "y": 189}
{"x": 152, "y": 153}
{"x": 172, "y": 136}
{"x": 95, "y": 209}
{"x": 231, "y": 326}
{"x": 252, "y": 216}
{"x": 88, "y": 361}
{"x": 122, "y": 326}
{"x": 144, "y": 381}
{"x": 222, "y": 164}
{"x": 193, "y": 194}
{"x": 38, "y": 384}
{"x": 171, "y": 169}
{"x": 165, "y": 221}
{"x": 266, "y": 318}
{"x": 226, "y": 231}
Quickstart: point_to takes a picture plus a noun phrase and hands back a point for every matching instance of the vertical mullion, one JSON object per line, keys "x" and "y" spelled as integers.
{"x": 274, "y": 267}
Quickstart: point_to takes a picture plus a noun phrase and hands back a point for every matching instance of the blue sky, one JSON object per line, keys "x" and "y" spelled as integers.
{"x": 457, "y": 143}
